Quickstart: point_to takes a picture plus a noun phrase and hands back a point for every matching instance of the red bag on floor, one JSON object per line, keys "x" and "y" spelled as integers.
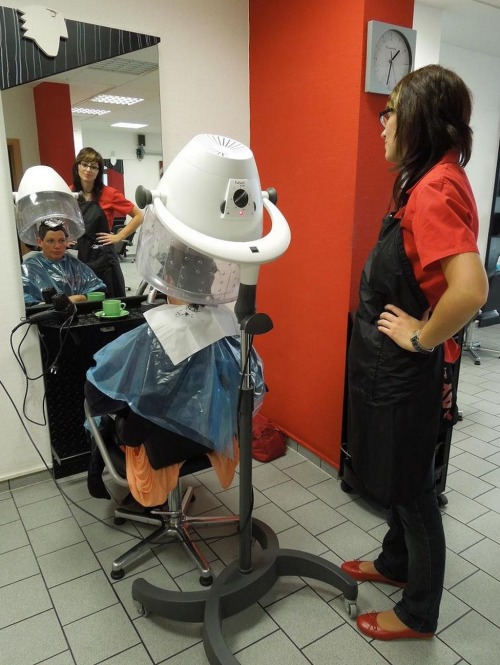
{"x": 268, "y": 441}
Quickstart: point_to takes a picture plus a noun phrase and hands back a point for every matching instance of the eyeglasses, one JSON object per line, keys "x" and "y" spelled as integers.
{"x": 92, "y": 167}
{"x": 384, "y": 115}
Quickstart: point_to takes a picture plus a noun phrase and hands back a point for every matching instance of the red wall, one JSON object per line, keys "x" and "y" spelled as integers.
{"x": 316, "y": 138}
{"x": 55, "y": 127}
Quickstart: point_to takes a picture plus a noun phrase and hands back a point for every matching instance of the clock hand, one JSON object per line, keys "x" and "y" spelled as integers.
{"x": 391, "y": 60}
{"x": 389, "y": 72}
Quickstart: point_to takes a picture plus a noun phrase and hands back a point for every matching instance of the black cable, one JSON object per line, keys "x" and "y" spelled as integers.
{"x": 51, "y": 471}
{"x": 64, "y": 331}
{"x": 18, "y": 357}
{"x": 68, "y": 498}
{"x": 66, "y": 325}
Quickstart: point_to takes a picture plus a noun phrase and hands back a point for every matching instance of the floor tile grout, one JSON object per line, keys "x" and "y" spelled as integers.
{"x": 275, "y": 633}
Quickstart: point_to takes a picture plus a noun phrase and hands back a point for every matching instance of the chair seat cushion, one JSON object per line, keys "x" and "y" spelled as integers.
{"x": 489, "y": 318}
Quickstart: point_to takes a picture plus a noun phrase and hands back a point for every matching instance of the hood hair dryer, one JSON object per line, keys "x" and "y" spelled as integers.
{"x": 210, "y": 201}
{"x": 43, "y": 195}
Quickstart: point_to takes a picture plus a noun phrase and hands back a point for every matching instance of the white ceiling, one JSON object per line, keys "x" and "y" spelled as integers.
{"x": 87, "y": 82}
{"x": 471, "y": 24}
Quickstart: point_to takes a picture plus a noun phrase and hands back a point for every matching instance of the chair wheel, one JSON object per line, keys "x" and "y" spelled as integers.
{"x": 206, "y": 581}
{"x": 477, "y": 362}
{"x": 141, "y": 609}
{"x": 351, "y": 608}
{"x": 117, "y": 574}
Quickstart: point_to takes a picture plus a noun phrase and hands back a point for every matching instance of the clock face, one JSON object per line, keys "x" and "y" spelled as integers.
{"x": 391, "y": 58}
{"x": 389, "y": 55}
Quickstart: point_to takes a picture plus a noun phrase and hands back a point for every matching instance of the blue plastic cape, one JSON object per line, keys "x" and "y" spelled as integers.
{"x": 69, "y": 276}
{"x": 197, "y": 398}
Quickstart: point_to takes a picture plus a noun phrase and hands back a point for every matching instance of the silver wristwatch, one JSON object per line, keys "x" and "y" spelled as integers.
{"x": 415, "y": 342}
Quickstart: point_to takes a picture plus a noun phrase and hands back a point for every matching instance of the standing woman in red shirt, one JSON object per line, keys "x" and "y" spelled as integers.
{"x": 422, "y": 283}
{"x": 88, "y": 170}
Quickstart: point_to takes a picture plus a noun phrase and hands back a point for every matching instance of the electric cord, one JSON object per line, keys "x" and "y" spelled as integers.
{"x": 114, "y": 527}
{"x": 18, "y": 357}
{"x": 20, "y": 361}
{"x": 51, "y": 471}
{"x": 63, "y": 333}
{"x": 64, "y": 330}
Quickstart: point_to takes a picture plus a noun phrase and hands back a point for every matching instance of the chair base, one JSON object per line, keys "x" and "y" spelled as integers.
{"x": 174, "y": 524}
{"x": 472, "y": 347}
{"x": 468, "y": 343}
{"x": 234, "y": 590}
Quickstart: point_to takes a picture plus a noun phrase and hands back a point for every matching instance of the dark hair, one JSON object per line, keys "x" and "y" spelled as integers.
{"x": 89, "y": 155}
{"x": 433, "y": 107}
{"x": 51, "y": 225}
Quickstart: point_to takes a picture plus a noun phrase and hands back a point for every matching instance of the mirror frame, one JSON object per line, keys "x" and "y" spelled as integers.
{"x": 493, "y": 243}
{"x": 22, "y": 61}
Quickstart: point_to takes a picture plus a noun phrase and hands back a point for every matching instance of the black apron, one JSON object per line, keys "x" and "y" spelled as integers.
{"x": 103, "y": 259}
{"x": 394, "y": 395}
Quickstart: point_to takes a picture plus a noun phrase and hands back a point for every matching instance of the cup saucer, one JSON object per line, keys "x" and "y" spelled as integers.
{"x": 102, "y": 315}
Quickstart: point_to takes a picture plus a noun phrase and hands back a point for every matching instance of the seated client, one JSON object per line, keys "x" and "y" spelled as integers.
{"x": 54, "y": 267}
{"x": 173, "y": 383}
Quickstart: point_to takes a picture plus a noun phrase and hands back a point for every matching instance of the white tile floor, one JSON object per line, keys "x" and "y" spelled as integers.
{"x": 58, "y": 605}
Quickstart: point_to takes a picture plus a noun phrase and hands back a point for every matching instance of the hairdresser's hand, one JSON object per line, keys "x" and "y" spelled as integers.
{"x": 108, "y": 238}
{"x": 398, "y": 325}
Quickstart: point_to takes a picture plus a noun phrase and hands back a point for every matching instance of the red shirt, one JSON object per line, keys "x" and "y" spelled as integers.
{"x": 439, "y": 220}
{"x": 114, "y": 204}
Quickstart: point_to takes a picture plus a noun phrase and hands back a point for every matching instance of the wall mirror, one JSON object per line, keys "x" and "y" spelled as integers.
{"x": 93, "y": 59}
{"x": 131, "y": 71}
{"x": 130, "y": 75}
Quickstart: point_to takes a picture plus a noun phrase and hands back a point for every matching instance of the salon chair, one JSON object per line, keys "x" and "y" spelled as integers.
{"x": 122, "y": 246}
{"x": 488, "y": 315}
{"x": 172, "y": 521}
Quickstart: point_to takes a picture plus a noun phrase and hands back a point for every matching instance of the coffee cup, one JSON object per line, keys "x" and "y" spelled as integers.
{"x": 112, "y": 307}
{"x": 96, "y": 295}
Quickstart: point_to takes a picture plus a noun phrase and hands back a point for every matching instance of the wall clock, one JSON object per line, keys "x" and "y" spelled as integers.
{"x": 390, "y": 54}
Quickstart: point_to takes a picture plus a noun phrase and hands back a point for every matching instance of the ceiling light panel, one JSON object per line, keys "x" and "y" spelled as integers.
{"x": 129, "y": 125}
{"x": 85, "y": 111}
{"x": 116, "y": 99}
{"x": 125, "y": 66}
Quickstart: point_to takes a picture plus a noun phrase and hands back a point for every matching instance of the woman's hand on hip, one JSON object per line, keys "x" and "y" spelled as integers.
{"x": 398, "y": 325}
{"x": 108, "y": 238}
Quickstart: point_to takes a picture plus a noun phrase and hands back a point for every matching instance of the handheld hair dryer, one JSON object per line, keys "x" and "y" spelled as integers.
{"x": 63, "y": 309}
